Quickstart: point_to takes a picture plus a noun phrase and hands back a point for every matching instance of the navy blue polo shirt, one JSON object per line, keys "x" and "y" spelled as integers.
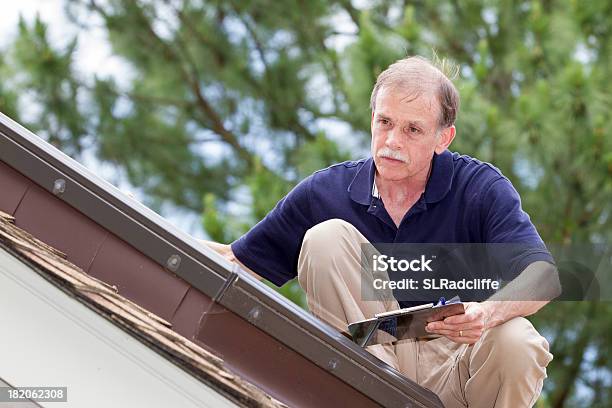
{"x": 465, "y": 201}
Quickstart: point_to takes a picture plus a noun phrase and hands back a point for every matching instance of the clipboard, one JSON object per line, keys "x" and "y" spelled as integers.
{"x": 401, "y": 324}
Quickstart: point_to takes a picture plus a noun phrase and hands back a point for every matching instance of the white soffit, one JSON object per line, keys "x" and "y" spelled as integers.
{"x": 50, "y": 339}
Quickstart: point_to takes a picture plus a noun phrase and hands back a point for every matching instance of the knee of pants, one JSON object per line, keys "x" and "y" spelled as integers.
{"x": 325, "y": 241}
{"x": 515, "y": 346}
{"x": 328, "y": 237}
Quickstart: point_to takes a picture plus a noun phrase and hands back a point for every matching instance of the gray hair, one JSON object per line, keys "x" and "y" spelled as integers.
{"x": 418, "y": 74}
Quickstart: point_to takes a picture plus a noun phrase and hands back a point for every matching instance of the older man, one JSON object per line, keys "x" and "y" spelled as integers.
{"x": 412, "y": 190}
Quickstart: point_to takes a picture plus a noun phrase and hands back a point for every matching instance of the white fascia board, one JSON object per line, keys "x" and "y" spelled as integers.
{"x": 50, "y": 339}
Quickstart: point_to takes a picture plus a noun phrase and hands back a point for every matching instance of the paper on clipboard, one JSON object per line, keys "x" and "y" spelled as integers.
{"x": 390, "y": 327}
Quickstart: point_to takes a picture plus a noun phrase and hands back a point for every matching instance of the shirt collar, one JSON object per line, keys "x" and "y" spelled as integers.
{"x": 363, "y": 187}
{"x": 360, "y": 189}
{"x": 441, "y": 177}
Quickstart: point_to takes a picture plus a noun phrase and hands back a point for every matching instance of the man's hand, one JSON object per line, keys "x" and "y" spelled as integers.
{"x": 523, "y": 296}
{"x": 226, "y": 251}
{"x": 464, "y": 328}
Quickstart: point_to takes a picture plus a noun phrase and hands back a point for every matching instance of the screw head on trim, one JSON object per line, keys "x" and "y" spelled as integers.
{"x": 59, "y": 186}
{"x": 173, "y": 263}
{"x": 255, "y": 313}
{"x": 332, "y": 364}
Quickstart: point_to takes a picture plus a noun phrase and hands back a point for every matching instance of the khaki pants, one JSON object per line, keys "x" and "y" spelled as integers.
{"x": 504, "y": 368}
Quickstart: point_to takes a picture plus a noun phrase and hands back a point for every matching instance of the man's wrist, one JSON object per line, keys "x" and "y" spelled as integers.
{"x": 489, "y": 314}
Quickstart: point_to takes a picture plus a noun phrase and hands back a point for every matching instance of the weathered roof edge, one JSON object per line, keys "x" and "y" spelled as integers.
{"x": 204, "y": 269}
{"x": 130, "y": 317}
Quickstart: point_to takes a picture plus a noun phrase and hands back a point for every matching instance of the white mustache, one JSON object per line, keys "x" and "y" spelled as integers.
{"x": 391, "y": 154}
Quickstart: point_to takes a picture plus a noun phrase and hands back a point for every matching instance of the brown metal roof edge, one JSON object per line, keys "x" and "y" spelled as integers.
{"x": 204, "y": 269}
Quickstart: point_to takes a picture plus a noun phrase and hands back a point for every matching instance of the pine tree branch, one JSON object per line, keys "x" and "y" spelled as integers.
{"x": 218, "y": 53}
{"x": 192, "y": 81}
{"x": 258, "y": 45}
{"x": 296, "y": 126}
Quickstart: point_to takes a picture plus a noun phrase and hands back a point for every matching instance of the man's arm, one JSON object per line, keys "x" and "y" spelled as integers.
{"x": 227, "y": 253}
{"x": 504, "y": 221}
{"x": 523, "y": 296}
{"x": 537, "y": 285}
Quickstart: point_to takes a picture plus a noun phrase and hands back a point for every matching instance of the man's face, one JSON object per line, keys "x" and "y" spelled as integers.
{"x": 405, "y": 134}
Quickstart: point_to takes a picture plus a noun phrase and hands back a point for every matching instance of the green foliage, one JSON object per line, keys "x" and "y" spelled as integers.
{"x": 318, "y": 154}
{"x": 292, "y": 291}
{"x": 50, "y": 83}
{"x": 8, "y": 96}
{"x": 219, "y": 227}
{"x": 228, "y": 103}
{"x": 265, "y": 189}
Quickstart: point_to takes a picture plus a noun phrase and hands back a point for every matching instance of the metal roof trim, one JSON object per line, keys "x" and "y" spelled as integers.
{"x": 323, "y": 345}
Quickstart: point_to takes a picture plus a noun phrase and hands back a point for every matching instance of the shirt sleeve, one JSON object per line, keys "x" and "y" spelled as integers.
{"x": 271, "y": 248}
{"x": 515, "y": 241}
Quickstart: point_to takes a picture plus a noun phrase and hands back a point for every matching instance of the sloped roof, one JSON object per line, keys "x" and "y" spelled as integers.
{"x": 261, "y": 336}
{"x": 141, "y": 323}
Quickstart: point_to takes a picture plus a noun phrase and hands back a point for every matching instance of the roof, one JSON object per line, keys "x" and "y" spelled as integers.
{"x": 261, "y": 336}
{"x": 139, "y": 322}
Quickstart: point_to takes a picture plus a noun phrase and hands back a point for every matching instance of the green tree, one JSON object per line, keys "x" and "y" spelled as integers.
{"x": 230, "y": 103}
